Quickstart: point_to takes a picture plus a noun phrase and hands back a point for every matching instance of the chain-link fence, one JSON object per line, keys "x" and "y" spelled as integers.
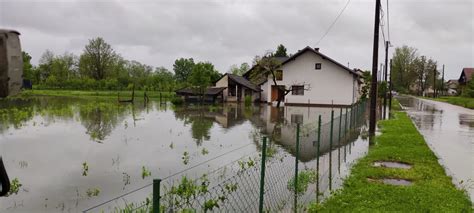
{"x": 273, "y": 179}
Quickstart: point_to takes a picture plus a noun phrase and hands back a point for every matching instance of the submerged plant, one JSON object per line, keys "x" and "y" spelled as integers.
{"x": 85, "y": 169}
{"x": 15, "y": 186}
{"x": 93, "y": 192}
{"x": 304, "y": 179}
{"x": 204, "y": 151}
{"x": 185, "y": 158}
{"x": 145, "y": 172}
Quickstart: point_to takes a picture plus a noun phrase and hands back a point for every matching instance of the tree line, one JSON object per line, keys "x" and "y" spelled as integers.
{"x": 99, "y": 67}
{"x": 414, "y": 73}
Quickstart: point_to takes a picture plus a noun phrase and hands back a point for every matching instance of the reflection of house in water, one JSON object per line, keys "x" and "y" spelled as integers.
{"x": 281, "y": 128}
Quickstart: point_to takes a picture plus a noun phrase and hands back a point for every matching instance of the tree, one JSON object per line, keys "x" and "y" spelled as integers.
{"x": 182, "y": 68}
{"x": 202, "y": 76}
{"x": 281, "y": 51}
{"x": 366, "y": 77}
{"x": 27, "y": 66}
{"x": 269, "y": 66}
{"x": 97, "y": 59}
{"x": 402, "y": 71}
{"x": 163, "y": 79}
{"x": 45, "y": 65}
{"x": 236, "y": 70}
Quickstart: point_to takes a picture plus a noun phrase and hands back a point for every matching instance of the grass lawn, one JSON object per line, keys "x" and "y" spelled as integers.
{"x": 104, "y": 94}
{"x": 460, "y": 101}
{"x": 431, "y": 191}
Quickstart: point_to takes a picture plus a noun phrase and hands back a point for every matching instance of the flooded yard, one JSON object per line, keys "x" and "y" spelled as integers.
{"x": 71, "y": 154}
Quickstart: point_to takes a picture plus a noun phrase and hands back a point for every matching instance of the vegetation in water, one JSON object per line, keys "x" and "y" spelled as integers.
{"x": 248, "y": 100}
{"x": 145, "y": 172}
{"x": 204, "y": 151}
{"x": 304, "y": 179}
{"x": 93, "y": 192}
{"x": 15, "y": 186}
{"x": 85, "y": 169}
{"x": 185, "y": 158}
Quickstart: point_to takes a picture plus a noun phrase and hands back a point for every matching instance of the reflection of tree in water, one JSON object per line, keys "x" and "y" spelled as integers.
{"x": 200, "y": 118}
{"x": 99, "y": 117}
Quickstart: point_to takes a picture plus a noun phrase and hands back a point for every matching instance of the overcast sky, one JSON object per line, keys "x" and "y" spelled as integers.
{"x": 227, "y": 32}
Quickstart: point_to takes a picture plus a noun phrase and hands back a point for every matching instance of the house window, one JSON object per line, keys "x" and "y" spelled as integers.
{"x": 297, "y": 90}
{"x": 317, "y": 66}
{"x": 296, "y": 118}
{"x": 279, "y": 75}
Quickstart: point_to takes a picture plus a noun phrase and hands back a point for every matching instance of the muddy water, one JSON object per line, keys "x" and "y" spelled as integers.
{"x": 449, "y": 131}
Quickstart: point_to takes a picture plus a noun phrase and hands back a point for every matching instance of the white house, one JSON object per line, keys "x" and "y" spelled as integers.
{"x": 315, "y": 80}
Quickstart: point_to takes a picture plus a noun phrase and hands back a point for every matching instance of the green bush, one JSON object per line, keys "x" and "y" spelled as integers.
{"x": 248, "y": 100}
{"x": 177, "y": 100}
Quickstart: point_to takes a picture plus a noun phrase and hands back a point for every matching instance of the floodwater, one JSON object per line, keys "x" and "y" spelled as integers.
{"x": 70, "y": 154}
{"x": 449, "y": 131}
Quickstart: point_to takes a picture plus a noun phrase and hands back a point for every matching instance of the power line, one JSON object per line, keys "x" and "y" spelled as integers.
{"x": 333, "y": 23}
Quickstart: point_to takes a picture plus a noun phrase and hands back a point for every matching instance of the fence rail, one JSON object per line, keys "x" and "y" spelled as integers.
{"x": 267, "y": 180}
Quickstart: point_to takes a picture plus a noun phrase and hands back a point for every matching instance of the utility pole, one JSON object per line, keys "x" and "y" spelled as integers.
{"x": 373, "y": 87}
{"x": 442, "y": 83}
{"x": 434, "y": 82}
{"x": 385, "y": 79}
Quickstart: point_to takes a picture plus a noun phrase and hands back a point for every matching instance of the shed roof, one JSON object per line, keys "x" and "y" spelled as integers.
{"x": 209, "y": 91}
{"x": 244, "y": 82}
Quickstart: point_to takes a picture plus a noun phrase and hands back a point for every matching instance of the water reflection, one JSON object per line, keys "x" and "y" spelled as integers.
{"x": 154, "y": 137}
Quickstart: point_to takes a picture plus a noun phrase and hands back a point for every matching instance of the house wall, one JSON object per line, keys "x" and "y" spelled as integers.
{"x": 264, "y": 93}
{"x": 224, "y": 82}
{"x": 329, "y": 85}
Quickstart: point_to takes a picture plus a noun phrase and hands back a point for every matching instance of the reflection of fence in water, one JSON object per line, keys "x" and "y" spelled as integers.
{"x": 236, "y": 186}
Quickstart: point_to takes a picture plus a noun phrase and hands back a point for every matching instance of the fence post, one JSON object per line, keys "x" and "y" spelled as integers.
{"x": 351, "y": 120}
{"x": 296, "y": 165}
{"x": 330, "y": 150}
{"x": 340, "y": 126}
{"x": 345, "y": 124}
{"x": 317, "y": 158}
{"x": 156, "y": 195}
{"x": 262, "y": 174}
{"x": 331, "y": 134}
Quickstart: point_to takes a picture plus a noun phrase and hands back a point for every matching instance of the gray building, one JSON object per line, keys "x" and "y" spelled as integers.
{"x": 11, "y": 63}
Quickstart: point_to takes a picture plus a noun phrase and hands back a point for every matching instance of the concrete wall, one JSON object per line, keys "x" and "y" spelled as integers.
{"x": 13, "y": 66}
{"x": 329, "y": 85}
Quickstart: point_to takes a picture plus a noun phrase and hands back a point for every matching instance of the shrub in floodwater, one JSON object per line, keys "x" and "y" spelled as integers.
{"x": 15, "y": 186}
{"x": 248, "y": 100}
{"x": 177, "y": 100}
{"x": 185, "y": 158}
{"x": 85, "y": 169}
{"x": 145, "y": 172}
{"x": 304, "y": 179}
{"x": 93, "y": 192}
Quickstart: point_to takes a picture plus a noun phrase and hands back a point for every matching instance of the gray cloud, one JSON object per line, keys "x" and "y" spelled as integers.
{"x": 227, "y": 32}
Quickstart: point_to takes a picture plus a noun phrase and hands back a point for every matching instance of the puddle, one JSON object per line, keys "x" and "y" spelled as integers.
{"x": 391, "y": 181}
{"x": 391, "y": 164}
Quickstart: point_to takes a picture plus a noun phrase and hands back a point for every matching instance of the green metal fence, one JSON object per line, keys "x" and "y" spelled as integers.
{"x": 267, "y": 180}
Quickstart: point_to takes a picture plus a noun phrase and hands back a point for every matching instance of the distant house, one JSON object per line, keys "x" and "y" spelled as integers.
{"x": 466, "y": 76}
{"x": 452, "y": 86}
{"x": 315, "y": 79}
{"x": 237, "y": 87}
